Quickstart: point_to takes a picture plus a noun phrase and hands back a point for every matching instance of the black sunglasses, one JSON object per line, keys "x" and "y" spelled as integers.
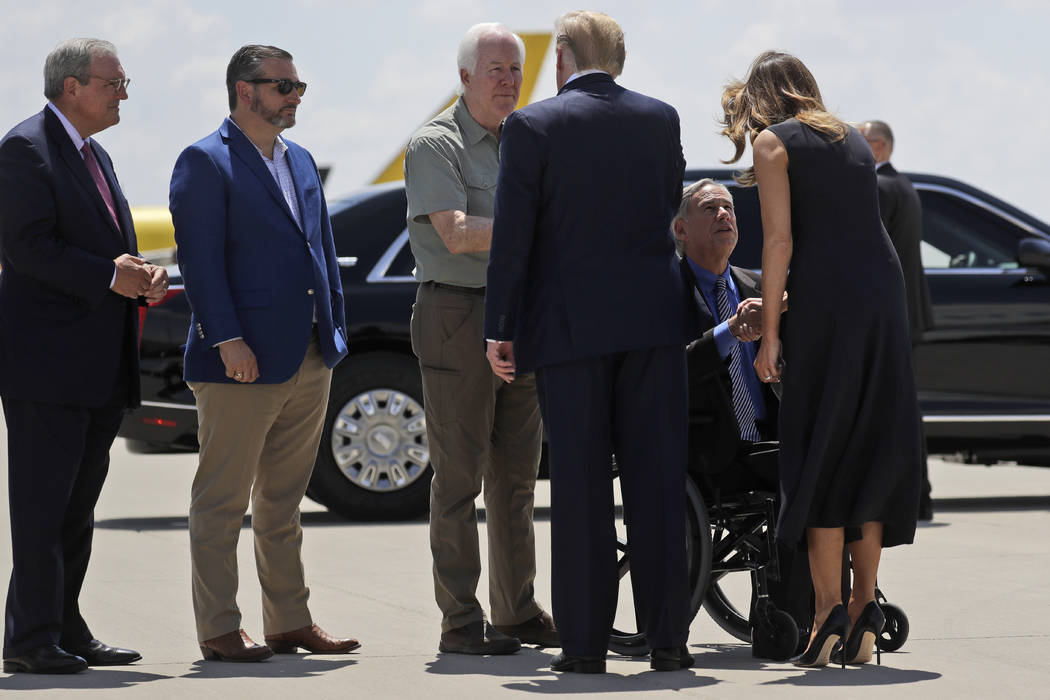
{"x": 284, "y": 85}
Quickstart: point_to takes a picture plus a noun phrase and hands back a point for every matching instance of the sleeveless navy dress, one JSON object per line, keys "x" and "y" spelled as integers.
{"x": 849, "y": 419}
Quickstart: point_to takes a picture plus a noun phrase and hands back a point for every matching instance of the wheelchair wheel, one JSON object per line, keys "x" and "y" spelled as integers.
{"x": 631, "y": 642}
{"x": 895, "y": 633}
{"x": 776, "y": 635}
{"x": 722, "y": 610}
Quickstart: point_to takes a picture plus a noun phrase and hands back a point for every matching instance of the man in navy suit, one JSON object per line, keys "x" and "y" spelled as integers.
{"x": 729, "y": 408}
{"x": 69, "y": 287}
{"x": 583, "y": 287}
{"x": 258, "y": 259}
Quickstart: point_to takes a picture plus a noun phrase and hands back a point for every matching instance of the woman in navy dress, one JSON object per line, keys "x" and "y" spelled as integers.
{"x": 849, "y": 419}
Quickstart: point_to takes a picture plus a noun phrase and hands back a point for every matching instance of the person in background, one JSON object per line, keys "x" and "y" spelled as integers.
{"x": 901, "y": 212}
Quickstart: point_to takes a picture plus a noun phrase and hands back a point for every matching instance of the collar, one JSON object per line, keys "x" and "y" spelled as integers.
{"x": 581, "y": 73}
{"x": 706, "y": 278}
{"x": 74, "y": 135}
{"x": 279, "y": 146}
{"x": 472, "y": 132}
{"x": 881, "y": 163}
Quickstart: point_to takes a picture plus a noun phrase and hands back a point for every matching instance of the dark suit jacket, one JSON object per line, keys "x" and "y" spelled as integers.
{"x": 249, "y": 270}
{"x": 583, "y": 266}
{"x": 901, "y": 213}
{"x": 63, "y": 332}
{"x": 714, "y": 435}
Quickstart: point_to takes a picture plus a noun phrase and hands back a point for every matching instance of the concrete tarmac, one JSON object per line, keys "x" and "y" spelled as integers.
{"x": 974, "y": 587}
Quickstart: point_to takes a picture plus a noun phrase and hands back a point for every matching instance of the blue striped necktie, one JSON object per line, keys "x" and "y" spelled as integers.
{"x": 743, "y": 407}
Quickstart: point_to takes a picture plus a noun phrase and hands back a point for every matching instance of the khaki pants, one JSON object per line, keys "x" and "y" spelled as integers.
{"x": 257, "y": 440}
{"x": 482, "y": 433}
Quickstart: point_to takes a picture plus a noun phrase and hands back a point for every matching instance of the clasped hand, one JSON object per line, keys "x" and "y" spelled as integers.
{"x": 137, "y": 278}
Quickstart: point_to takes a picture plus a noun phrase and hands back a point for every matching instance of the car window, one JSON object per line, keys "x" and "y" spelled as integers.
{"x": 960, "y": 234}
{"x": 404, "y": 263}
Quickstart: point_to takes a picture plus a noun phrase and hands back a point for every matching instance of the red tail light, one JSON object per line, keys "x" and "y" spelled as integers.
{"x": 161, "y": 422}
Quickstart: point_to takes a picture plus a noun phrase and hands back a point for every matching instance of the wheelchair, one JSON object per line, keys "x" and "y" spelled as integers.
{"x": 729, "y": 530}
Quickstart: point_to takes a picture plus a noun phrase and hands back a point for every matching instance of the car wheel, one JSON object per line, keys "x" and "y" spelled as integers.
{"x": 374, "y": 462}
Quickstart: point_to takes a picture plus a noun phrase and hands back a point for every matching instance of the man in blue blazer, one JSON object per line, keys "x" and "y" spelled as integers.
{"x": 583, "y": 287}
{"x": 258, "y": 260}
{"x": 69, "y": 289}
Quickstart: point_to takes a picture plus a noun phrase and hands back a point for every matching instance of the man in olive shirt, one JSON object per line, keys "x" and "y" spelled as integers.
{"x": 481, "y": 430}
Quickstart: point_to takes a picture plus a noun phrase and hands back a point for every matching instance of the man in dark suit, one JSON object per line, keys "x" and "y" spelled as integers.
{"x": 901, "y": 212}
{"x": 69, "y": 287}
{"x": 258, "y": 259}
{"x": 729, "y": 408}
{"x": 582, "y": 287}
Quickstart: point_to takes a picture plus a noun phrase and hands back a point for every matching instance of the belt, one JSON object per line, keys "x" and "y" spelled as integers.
{"x": 478, "y": 291}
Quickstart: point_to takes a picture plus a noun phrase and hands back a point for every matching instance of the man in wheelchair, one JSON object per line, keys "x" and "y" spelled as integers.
{"x": 733, "y": 416}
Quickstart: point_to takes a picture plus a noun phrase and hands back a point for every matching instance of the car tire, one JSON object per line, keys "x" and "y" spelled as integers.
{"x": 373, "y": 462}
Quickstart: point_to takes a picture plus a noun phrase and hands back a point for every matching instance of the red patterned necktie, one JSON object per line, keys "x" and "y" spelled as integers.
{"x": 100, "y": 182}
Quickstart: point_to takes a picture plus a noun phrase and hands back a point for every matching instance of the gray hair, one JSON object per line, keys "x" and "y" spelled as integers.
{"x": 72, "y": 58}
{"x": 469, "y": 46}
{"x": 683, "y": 206}
{"x": 880, "y": 130}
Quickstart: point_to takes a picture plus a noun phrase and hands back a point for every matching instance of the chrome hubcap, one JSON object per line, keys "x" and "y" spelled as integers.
{"x": 379, "y": 440}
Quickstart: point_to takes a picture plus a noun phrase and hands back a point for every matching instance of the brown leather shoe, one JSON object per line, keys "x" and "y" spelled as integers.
{"x": 539, "y": 630}
{"x": 234, "y": 646}
{"x": 312, "y": 638}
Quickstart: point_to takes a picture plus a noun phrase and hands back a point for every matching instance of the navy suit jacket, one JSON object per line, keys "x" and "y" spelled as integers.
{"x": 714, "y": 434}
{"x": 248, "y": 268}
{"x": 63, "y": 332}
{"x": 582, "y": 262}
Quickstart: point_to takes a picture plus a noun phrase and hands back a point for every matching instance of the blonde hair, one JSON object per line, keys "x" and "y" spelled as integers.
{"x": 778, "y": 87}
{"x": 595, "y": 40}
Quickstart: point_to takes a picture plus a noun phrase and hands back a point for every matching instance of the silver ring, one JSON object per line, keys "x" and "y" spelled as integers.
{"x": 768, "y": 377}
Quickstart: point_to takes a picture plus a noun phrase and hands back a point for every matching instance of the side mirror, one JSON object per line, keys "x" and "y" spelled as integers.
{"x": 1034, "y": 252}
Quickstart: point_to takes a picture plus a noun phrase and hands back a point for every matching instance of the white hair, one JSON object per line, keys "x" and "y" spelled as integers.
{"x": 467, "y": 56}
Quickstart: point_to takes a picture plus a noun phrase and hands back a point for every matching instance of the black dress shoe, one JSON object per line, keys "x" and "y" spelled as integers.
{"x": 670, "y": 659}
{"x": 49, "y": 658}
{"x": 98, "y": 654}
{"x": 477, "y": 638}
{"x": 578, "y": 664}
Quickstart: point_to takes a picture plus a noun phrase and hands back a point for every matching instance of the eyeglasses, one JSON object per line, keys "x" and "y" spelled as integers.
{"x": 284, "y": 85}
{"x": 117, "y": 84}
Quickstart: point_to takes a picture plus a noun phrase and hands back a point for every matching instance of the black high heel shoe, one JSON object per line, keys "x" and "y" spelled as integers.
{"x": 831, "y": 632}
{"x": 864, "y": 634}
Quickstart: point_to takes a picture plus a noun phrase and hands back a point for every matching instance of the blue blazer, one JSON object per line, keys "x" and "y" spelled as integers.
{"x": 63, "y": 332}
{"x": 582, "y": 262}
{"x": 249, "y": 270}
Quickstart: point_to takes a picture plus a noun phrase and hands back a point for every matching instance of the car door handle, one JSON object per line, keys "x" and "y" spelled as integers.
{"x": 346, "y": 261}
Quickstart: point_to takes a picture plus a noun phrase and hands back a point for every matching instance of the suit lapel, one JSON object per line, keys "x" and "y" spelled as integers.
{"x": 707, "y": 319}
{"x": 75, "y": 162}
{"x": 244, "y": 149}
{"x": 306, "y": 196}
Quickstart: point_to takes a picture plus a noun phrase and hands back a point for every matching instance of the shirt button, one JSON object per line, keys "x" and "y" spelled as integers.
{"x": 310, "y": 291}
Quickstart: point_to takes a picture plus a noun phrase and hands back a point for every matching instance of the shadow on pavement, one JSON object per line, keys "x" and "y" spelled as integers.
{"x": 565, "y": 683}
{"x": 991, "y": 503}
{"x": 93, "y": 678}
{"x": 866, "y": 675}
{"x": 297, "y": 666}
{"x": 527, "y": 662}
{"x": 181, "y": 522}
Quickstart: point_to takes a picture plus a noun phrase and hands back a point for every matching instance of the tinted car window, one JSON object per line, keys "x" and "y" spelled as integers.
{"x": 404, "y": 263}
{"x": 959, "y": 234}
{"x": 365, "y": 226}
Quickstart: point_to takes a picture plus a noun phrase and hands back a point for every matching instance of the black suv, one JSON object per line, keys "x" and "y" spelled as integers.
{"x": 982, "y": 370}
